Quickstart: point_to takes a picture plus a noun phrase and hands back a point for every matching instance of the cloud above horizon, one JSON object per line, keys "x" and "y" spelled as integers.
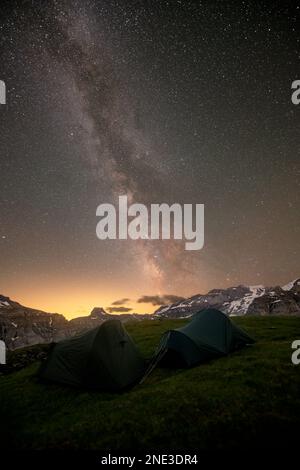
{"x": 160, "y": 299}
{"x": 121, "y": 301}
{"x": 118, "y": 309}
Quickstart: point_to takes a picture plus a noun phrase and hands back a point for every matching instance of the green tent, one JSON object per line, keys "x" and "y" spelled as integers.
{"x": 209, "y": 334}
{"x": 104, "y": 358}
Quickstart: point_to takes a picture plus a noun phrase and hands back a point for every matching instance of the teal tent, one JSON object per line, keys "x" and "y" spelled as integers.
{"x": 210, "y": 334}
{"x": 104, "y": 358}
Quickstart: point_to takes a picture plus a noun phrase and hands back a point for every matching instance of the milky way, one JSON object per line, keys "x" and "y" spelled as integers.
{"x": 180, "y": 101}
{"x": 119, "y": 154}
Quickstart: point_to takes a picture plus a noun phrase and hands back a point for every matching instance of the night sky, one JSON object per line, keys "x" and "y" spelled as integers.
{"x": 165, "y": 101}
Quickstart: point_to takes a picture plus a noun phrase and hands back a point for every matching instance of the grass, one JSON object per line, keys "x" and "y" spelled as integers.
{"x": 249, "y": 399}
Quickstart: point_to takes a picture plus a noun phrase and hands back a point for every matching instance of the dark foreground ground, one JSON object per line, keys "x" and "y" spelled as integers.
{"x": 249, "y": 399}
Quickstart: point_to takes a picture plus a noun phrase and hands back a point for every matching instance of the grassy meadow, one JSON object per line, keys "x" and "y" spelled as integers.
{"x": 250, "y": 399}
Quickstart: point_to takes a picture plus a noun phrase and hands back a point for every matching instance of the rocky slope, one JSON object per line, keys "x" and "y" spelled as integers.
{"x": 97, "y": 316}
{"x": 240, "y": 300}
{"x": 23, "y": 326}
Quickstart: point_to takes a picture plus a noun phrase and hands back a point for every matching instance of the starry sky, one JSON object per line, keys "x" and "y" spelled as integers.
{"x": 163, "y": 101}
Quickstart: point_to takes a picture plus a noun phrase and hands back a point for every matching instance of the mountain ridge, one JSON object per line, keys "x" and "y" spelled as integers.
{"x": 240, "y": 300}
{"x": 23, "y": 326}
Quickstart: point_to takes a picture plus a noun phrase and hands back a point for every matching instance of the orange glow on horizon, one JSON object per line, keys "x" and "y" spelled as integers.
{"x": 72, "y": 302}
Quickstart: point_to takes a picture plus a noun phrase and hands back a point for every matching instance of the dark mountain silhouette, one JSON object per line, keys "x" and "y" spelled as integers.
{"x": 22, "y": 326}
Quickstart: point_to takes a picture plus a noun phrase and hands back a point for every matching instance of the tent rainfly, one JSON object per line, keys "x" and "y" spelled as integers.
{"x": 104, "y": 358}
{"x": 210, "y": 334}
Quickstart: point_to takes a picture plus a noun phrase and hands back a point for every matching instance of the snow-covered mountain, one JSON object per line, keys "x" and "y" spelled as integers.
{"x": 292, "y": 286}
{"x": 240, "y": 300}
{"x": 22, "y": 326}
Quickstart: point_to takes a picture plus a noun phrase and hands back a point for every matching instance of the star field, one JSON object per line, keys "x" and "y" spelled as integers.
{"x": 182, "y": 101}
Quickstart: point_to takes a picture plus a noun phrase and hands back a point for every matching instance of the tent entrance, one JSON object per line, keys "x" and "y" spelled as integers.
{"x": 173, "y": 359}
